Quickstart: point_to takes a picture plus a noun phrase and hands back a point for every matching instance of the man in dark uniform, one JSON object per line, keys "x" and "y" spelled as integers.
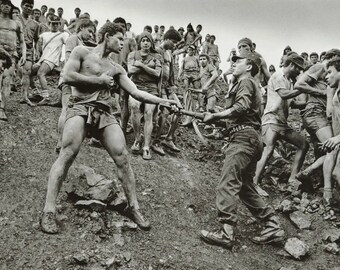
{"x": 241, "y": 155}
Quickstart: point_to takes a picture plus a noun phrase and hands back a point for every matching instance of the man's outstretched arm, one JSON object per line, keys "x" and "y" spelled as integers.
{"x": 127, "y": 85}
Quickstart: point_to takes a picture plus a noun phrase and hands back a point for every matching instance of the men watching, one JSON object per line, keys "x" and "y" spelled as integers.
{"x": 51, "y": 48}
{"x": 145, "y": 67}
{"x": 31, "y": 37}
{"x": 189, "y": 72}
{"x": 63, "y": 22}
{"x": 168, "y": 91}
{"x": 11, "y": 33}
{"x": 314, "y": 58}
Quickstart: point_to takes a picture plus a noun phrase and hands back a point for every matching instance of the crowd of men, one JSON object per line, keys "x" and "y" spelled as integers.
{"x": 110, "y": 72}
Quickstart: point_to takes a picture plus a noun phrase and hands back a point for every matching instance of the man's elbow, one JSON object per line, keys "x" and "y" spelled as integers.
{"x": 68, "y": 78}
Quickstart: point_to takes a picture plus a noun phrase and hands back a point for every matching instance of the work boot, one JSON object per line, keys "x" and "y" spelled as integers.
{"x": 48, "y": 223}
{"x": 138, "y": 218}
{"x": 272, "y": 232}
{"x": 223, "y": 237}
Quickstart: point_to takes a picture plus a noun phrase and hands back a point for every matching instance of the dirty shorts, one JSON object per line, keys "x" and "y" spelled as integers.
{"x": 313, "y": 120}
{"x": 281, "y": 130}
{"x": 96, "y": 118}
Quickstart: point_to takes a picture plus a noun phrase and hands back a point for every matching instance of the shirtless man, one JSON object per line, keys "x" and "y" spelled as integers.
{"x": 31, "y": 36}
{"x": 211, "y": 49}
{"x": 274, "y": 120}
{"x": 43, "y": 11}
{"x": 63, "y": 22}
{"x": 189, "y": 71}
{"x": 85, "y": 31}
{"x": 92, "y": 75}
{"x": 168, "y": 87}
{"x": 51, "y": 48}
{"x": 145, "y": 68}
{"x": 11, "y": 32}
{"x": 332, "y": 144}
{"x": 189, "y": 39}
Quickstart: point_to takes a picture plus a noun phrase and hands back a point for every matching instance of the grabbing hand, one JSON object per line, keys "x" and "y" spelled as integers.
{"x": 138, "y": 63}
{"x": 330, "y": 144}
{"x": 22, "y": 61}
{"x": 106, "y": 79}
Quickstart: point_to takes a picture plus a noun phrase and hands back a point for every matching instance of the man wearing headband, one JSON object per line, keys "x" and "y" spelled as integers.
{"x": 243, "y": 150}
{"x": 145, "y": 68}
{"x": 274, "y": 121}
{"x": 11, "y": 33}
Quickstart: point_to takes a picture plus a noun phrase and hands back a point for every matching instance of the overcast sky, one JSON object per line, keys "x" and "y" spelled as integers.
{"x": 305, "y": 25}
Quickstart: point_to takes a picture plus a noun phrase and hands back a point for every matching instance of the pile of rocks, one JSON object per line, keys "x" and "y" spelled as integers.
{"x": 94, "y": 191}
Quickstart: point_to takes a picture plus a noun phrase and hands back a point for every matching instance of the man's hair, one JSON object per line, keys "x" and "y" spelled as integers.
{"x": 204, "y": 55}
{"x": 322, "y": 54}
{"x": 172, "y": 34}
{"x": 43, "y": 6}
{"x": 51, "y": 10}
{"x": 335, "y": 62}
{"x": 110, "y": 28}
{"x": 212, "y": 36}
{"x": 162, "y": 26}
{"x": 255, "y": 69}
{"x": 148, "y": 28}
{"x": 23, "y": 2}
{"x": 77, "y": 8}
{"x": 120, "y": 20}
{"x": 199, "y": 26}
{"x": 314, "y": 54}
{"x": 16, "y": 8}
{"x": 128, "y": 24}
{"x": 84, "y": 23}
{"x": 60, "y": 8}
{"x": 36, "y": 10}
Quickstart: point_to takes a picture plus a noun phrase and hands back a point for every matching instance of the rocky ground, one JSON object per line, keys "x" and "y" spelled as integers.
{"x": 176, "y": 192}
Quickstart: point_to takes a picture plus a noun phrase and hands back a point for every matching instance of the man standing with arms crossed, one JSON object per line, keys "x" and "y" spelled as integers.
{"x": 92, "y": 75}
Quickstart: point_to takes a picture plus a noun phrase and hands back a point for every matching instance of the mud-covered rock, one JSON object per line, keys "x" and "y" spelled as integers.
{"x": 331, "y": 235}
{"x": 94, "y": 205}
{"x": 300, "y": 220}
{"x": 286, "y": 206}
{"x": 296, "y": 248}
{"x": 331, "y": 248}
{"x": 81, "y": 259}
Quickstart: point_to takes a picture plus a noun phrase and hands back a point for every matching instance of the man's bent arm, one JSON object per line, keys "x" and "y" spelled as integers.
{"x": 71, "y": 73}
{"x": 303, "y": 85}
{"x": 287, "y": 94}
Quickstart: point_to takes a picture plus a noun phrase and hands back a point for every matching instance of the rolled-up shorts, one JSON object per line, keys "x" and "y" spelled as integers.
{"x": 281, "y": 130}
{"x": 95, "y": 118}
